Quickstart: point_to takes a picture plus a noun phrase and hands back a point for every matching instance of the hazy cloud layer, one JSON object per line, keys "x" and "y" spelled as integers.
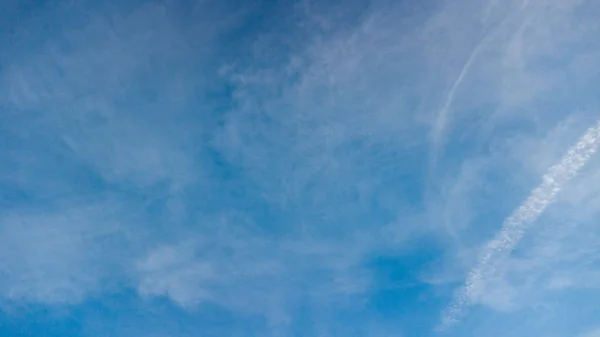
{"x": 311, "y": 168}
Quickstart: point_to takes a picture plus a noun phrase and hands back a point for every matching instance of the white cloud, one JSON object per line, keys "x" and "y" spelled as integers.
{"x": 246, "y": 272}
{"x": 81, "y": 124}
{"x": 323, "y": 144}
{"x": 174, "y": 272}
{"x": 591, "y": 333}
{"x": 516, "y": 224}
{"x": 91, "y": 90}
{"x": 61, "y": 256}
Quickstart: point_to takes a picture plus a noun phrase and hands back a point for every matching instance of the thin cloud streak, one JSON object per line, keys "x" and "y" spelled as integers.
{"x": 440, "y": 121}
{"x": 441, "y": 118}
{"x": 515, "y": 225}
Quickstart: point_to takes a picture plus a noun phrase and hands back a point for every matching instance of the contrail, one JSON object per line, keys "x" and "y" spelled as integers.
{"x": 442, "y": 114}
{"x": 440, "y": 122}
{"x": 516, "y": 224}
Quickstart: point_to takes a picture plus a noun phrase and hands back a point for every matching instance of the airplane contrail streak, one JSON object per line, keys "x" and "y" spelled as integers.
{"x": 516, "y": 224}
{"x": 442, "y": 115}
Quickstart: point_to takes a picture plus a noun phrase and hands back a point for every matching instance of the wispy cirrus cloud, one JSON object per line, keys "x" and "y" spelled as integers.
{"x": 515, "y": 226}
{"x": 118, "y": 182}
{"x": 271, "y": 164}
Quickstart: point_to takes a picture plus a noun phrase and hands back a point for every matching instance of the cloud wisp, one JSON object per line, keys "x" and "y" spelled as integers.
{"x": 515, "y": 226}
{"x": 262, "y": 168}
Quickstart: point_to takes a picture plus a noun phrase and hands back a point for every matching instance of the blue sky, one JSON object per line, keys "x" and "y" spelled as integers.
{"x": 299, "y": 168}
